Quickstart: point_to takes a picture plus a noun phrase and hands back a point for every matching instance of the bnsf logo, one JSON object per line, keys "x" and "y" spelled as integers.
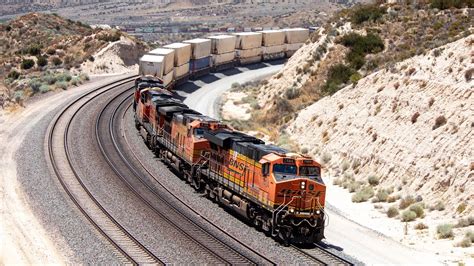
{"x": 238, "y": 165}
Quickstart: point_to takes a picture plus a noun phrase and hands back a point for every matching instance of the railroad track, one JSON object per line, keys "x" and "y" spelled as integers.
{"x": 324, "y": 257}
{"x": 127, "y": 247}
{"x": 320, "y": 256}
{"x": 219, "y": 250}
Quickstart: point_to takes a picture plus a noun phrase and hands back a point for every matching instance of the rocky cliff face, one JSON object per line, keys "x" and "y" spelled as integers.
{"x": 412, "y": 126}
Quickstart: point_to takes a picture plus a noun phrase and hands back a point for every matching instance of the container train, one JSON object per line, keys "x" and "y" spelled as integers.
{"x": 279, "y": 192}
{"x": 176, "y": 63}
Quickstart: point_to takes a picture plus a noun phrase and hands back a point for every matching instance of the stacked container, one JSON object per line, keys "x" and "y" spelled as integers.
{"x": 248, "y": 47}
{"x": 182, "y": 55}
{"x": 222, "y": 51}
{"x": 273, "y": 43}
{"x": 295, "y": 38}
{"x": 167, "y": 64}
{"x": 200, "y": 56}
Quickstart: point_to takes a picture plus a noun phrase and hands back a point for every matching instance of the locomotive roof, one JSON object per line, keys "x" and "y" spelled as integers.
{"x": 226, "y": 138}
{"x": 166, "y": 110}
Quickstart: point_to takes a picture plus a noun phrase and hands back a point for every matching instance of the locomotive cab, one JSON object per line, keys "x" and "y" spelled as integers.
{"x": 298, "y": 194}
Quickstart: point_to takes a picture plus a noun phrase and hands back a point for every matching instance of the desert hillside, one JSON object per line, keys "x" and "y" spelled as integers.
{"x": 411, "y": 127}
{"x": 43, "y": 52}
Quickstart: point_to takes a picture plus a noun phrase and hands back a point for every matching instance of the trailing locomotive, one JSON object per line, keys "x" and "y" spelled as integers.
{"x": 281, "y": 193}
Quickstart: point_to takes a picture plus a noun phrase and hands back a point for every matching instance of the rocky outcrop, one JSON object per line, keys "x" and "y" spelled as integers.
{"x": 411, "y": 125}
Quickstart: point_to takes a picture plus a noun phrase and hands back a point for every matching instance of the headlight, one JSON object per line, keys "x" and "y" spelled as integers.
{"x": 291, "y": 210}
{"x": 318, "y": 212}
{"x": 303, "y": 184}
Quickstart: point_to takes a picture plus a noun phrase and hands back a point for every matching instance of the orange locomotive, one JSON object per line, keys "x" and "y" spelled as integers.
{"x": 281, "y": 193}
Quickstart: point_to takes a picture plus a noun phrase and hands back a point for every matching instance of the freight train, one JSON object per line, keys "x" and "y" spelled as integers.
{"x": 176, "y": 63}
{"x": 279, "y": 192}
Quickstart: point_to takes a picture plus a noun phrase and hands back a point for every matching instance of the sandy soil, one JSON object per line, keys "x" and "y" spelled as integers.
{"x": 23, "y": 239}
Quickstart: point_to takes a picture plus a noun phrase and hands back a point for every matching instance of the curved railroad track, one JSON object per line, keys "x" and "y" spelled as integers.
{"x": 320, "y": 255}
{"x": 219, "y": 250}
{"x": 128, "y": 248}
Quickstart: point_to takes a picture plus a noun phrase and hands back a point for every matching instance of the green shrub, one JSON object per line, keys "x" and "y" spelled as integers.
{"x": 382, "y": 195}
{"x": 363, "y": 194}
{"x": 465, "y": 243}
{"x": 360, "y": 46}
{"x": 439, "y": 206}
{"x": 27, "y": 64}
{"x": 418, "y": 208}
{"x": 56, "y": 61}
{"x": 406, "y": 201}
{"x": 292, "y": 93}
{"x": 18, "y": 96}
{"x": 392, "y": 211}
{"x": 41, "y": 61}
{"x": 14, "y": 75}
{"x": 470, "y": 235}
{"x": 64, "y": 77}
{"x": 373, "y": 180}
{"x": 353, "y": 186}
{"x": 34, "y": 50}
{"x": 446, "y": 4}
{"x": 355, "y": 78}
{"x": 345, "y": 165}
{"x": 75, "y": 81}
{"x": 408, "y": 216}
{"x": 50, "y": 78}
{"x": 367, "y": 13}
{"x": 444, "y": 231}
{"x": 110, "y": 37}
{"x": 62, "y": 85}
{"x": 51, "y": 51}
{"x": 461, "y": 207}
{"x": 35, "y": 85}
{"x": 337, "y": 75}
{"x": 44, "y": 88}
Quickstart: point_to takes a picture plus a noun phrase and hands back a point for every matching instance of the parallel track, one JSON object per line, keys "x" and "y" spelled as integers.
{"x": 325, "y": 257}
{"x": 129, "y": 249}
{"x": 224, "y": 252}
{"x": 321, "y": 256}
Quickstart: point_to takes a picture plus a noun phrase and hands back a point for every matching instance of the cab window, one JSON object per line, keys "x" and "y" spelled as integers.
{"x": 284, "y": 169}
{"x": 310, "y": 171}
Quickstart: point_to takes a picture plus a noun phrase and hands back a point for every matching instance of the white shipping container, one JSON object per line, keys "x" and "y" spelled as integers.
{"x": 249, "y": 52}
{"x": 248, "y": 40}
{"x": 200, "y": 48}
{"x": 218, "y": 59}
{"x": 294, "y": 46}
{"x": 250, "y": 60}
{"x": 297, "y": 35}
{"x": 273, "y": 37}
{"x": 168, "y": 78}
{"x": 222, "y": 44}
{"x": 274, "y": 49}
{"x": 181, "y": 71}
{"x": 151, "y": 65}
{"x": 168, "y": 55}
{"x": 182, "y": 52}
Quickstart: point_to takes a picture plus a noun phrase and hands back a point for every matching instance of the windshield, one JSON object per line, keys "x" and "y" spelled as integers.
{"x": 198, "y": 132}
{"x": 284, "y": 169}
{"x": 310, "y": 171}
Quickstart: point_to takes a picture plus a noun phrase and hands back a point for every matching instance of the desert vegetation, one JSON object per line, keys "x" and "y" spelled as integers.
{"x": 44, "y": 52}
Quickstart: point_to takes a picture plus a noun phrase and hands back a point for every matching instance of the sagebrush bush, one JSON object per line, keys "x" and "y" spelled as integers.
{"x": 27, "y": 63}
{"x": 326, "y": 157}
{"x": 35, "y": 85}
{"x": 382, "y": 195}
{"x": 56, "y": 61}
{"x": 373, "y": 180}
{"x": 465, "y": 243}
{"x": 292, "y": 93}
{"x": 353, "y": 186}
{"x": 445, "y": 231}
{"x": 408, "y": 216}
{"x": 392, "y": 211}
{"x": 13, "y": 75}
{"x": 439, "y": 206}
{"x": 367, "y": 13}
{"x": 470, "y": 235}
{"x": 337, "y": 75}
{"x": 62, "y": 85}
{"x": 44, "y": 88}
{"x": 464, "y": 222}
{"x": 461, "y": 207}
{"x": 41, "y": 61}
{"x": 363, "y": 194}
{"x": 418, "y": 208}
{"x": 406, "y": 201}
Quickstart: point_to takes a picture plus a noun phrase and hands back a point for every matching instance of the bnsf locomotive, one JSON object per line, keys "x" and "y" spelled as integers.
{"x": 281, "y": 193}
